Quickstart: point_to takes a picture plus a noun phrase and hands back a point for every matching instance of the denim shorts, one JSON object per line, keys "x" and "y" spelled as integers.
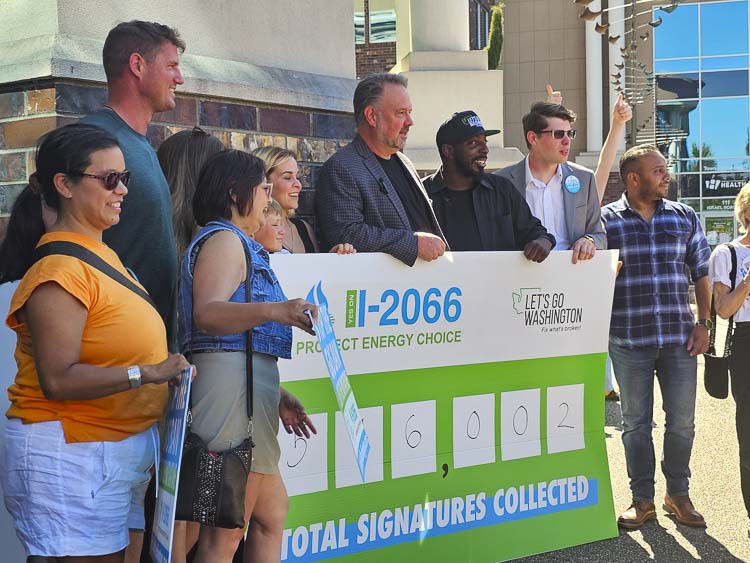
{"x": 74, "y": 499}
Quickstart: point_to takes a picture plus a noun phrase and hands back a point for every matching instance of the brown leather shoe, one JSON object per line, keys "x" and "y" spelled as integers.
{"x": 684, "y": 511}
{"x": 637, "y": 515}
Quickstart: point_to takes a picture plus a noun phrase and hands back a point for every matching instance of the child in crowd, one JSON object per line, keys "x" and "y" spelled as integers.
{"x": 271, "y": 234}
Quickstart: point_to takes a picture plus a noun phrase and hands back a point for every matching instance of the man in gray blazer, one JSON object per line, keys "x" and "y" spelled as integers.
{"x": 368, "y": 193}
{"x": 562, "y": 195}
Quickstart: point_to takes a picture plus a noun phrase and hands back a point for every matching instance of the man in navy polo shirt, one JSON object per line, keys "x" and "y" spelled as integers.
{"x": 653, "y": 329}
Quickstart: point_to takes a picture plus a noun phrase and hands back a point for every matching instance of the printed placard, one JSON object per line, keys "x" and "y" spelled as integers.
{"x": 473, "y": 430}
{"x": 565, "y": 418}
{"x": 347, "y": 471}
{"x": 413, "y": 439}
{"x": 304, "y": 462}
{"x": 519, "y": 424}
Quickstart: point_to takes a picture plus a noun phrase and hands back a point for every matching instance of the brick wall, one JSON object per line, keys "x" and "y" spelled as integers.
{"x": 27, "y": 114}
{"x": 374, "y": 57}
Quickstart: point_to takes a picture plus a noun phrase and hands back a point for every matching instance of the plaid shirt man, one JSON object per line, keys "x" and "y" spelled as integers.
{"x": 651, "y": 305}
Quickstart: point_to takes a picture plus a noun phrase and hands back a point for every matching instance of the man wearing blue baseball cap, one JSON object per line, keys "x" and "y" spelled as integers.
{"x": 478, "y": 211}
{"x": 561, "y": 194}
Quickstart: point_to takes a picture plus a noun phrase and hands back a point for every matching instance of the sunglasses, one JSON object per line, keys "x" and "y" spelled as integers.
{"x": 266, "y": 187}
{"x": 110, "y": 180}
{"x": 560, "y": 133}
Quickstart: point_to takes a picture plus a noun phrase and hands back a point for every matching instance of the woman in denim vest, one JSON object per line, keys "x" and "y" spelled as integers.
{"x": 215, "y": 313}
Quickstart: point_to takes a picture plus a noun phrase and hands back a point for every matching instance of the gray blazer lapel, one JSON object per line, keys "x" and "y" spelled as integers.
{"x": 518, "y": 177}
{"x": 569, "y": 202}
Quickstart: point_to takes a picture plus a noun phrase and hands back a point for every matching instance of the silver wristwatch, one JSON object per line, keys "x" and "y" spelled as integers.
{"x": 134, "y": 376}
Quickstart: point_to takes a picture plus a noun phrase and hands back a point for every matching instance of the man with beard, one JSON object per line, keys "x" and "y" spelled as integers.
{"x": 141, "y": 61}
{"x": 368, "y": 193}
{"x": 653, "y": 330}
{"x": 561, "y": 194}
{"x": 478, "y": 211}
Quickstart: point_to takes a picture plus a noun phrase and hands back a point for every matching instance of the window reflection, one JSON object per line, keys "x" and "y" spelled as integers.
{"x": 725, "y": 127}
{"x": 676, "y": 66}
{"x": 677, "y": 86}
{"x": 724, "y": 83}
{"x": 721, "y": 63}
{"x": 688, "y": 185}
{"x": 677, "y": 36}
{"x": 723, "y": 28}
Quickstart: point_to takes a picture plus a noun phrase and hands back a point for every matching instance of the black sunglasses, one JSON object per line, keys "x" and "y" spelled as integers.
{"x": 560, "y": 133}
{"x": 110, "y": 180}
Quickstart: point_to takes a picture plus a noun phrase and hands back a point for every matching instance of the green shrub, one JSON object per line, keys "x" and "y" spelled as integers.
{"x": 495, "y": 45}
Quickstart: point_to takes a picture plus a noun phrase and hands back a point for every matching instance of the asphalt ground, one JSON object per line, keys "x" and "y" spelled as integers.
{"x": 714, "y": 489}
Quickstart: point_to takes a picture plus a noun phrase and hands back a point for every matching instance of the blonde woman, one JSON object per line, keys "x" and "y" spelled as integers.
{"x": 283, "y": 172}
{"x": 735, "y": 302}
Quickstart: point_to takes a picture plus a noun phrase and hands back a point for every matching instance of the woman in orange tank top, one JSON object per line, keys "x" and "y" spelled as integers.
{"x": 92, "y": 360}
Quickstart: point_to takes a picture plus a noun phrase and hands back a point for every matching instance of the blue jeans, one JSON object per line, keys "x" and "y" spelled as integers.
{"x": 677, "y": 374}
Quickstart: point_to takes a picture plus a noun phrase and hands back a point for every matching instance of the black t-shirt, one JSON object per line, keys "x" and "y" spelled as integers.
{"x": 459, "y": 222}
{"x": 415, "y": 204}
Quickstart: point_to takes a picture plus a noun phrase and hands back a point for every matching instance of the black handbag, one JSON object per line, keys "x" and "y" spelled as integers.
{"x": 716, "y": 368}
{"x": 213, "y": 485}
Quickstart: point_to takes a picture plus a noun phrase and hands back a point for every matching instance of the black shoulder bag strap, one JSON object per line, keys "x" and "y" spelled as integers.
{"x": 712, "y": 336}
{"x": 248, "y": 345}
{"x": 83, "y": 254}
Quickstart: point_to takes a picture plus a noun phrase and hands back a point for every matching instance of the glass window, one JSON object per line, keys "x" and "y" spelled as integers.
{"x": 731, "y": 164}
{"x": 724, "y": 83}
{"x": 694, "y": 203}
{"x": 359, "y": 21}
{"x": 675, "y": 66}
{"x": 721, "y": 63}
{"x": 719, "y": 139}
{"x": 688, "y": 185}
{"x": 677, "y": 86}
{"x": 383, "y": 26}
{"x": 677, "y": 36}
{"x": 679, "y": 124}
{"x": 723, "y": 28}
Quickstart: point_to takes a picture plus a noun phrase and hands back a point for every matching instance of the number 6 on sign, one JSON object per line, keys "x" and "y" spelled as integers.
{"x": 565, "y": 418}
{"x": 519, "y": 424}
{"x": 413, "y": 440}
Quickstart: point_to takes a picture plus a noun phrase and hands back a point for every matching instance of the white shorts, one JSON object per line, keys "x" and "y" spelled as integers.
{"x": 74, "y": 499}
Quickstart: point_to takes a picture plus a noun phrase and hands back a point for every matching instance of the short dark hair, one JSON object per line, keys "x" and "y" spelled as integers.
{"x": 629, "y": 160}
{"x": 227, "y": 173}
{"x": 66, "y": 150}
{"x": 370, "y": 90}
{"x": 135, "y": 36}
{"x": 540, "y": 112}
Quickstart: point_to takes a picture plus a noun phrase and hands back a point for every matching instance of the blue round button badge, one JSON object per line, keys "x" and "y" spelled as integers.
{"x": 572, "y": 184}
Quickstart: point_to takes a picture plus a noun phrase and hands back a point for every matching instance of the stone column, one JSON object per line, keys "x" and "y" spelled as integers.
{"x": 441, "y": 25}
{"x": 616, "y": 13}
{"x": 594, "y": 114}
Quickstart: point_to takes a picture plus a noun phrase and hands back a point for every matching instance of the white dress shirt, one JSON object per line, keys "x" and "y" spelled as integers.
{"x": 546, "y": 203}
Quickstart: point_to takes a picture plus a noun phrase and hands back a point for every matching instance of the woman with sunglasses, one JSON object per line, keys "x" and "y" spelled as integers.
{"x": 215, "y": 313}
{"x": 92, "y": 357}
{"x": 282, "y": 171}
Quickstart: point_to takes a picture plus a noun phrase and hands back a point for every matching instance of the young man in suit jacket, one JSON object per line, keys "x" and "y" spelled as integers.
{"x": 561, "y": 194}
{"x": 369, "y": 193}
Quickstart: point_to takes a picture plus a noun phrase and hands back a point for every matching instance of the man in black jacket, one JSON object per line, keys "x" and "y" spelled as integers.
{"x": 478, "y": 211}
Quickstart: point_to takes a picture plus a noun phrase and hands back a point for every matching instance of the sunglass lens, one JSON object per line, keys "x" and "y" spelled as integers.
{"x": 113, "y": 179}
{"x": 572, "y": 133}
{"x": 558, "y": 134}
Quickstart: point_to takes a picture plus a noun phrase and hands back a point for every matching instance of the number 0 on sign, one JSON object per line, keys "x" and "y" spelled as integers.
{"x": 519, "y": 424}
{"x": 473, "y": 430}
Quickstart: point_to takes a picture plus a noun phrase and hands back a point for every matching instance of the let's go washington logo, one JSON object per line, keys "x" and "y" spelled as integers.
{"x": 546, "y": 310}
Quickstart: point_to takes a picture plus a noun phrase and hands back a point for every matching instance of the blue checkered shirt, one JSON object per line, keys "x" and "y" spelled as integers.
{"x": 651, "y": 305}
